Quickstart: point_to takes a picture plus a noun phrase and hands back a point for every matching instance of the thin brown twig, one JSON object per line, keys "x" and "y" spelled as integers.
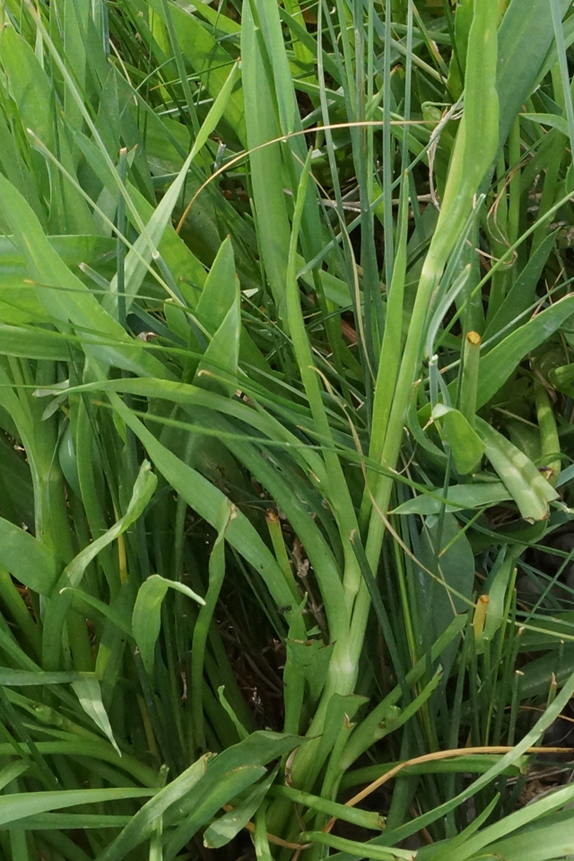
{"x": 283, "y": 139}
{"x": 432, "y": 757}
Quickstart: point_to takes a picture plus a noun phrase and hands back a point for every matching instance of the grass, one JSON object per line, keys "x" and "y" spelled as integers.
{"x": 286, "y": 367}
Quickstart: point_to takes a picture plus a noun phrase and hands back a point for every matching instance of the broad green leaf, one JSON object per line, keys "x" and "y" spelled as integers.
{"x": 529, "y": 740}
{"x": 228, "y": 774}
{"x": 85, "y": 603}
{"x": 39, "y": 112}
{"x": 547, "y": 633}
{"x": 34, "y": 344}
{"x": 31, "y": 562}
{"x": 522, "y": 294}
{"x": 220, "y": 289}
{"x": 538, "y": 841}
{"x": 19, "y": 303}
{"x": 500, "y": 363}
{"x": 555, "y": 121}
{"x": 143, "y": 490}
{"x": 497, "y": 596}
{"x": 143, "y": 823}
{"x": 222, "y": 355}
{"x": 367, "y": 729}
{"x": 562, "y": 378}
{"x": 446, "y": 553}
{"x": 353, "y": 848}
{"x": 524, "y": 39}
{"x": 193, "y": 396}
{"x": 146, "y": 619}
{"x": 23, "y": 678}
{"x": 203, "y": 624}
{"x": 311, "y": 658}
{"x": 213, "y": 797}
{"x": 471, "y": 764}
{"x": 95, "y": 748}
{"x": 524, "y": 482}
{"x": 224, "y": 829}
{"x": 11, "y": 771}
{"x": 465, "y": 444}
{"x": 198, "y": 794}
{"x": 73, "y": 821}
{"x": 551, "y": 838}
{"x": 363, "y": 818}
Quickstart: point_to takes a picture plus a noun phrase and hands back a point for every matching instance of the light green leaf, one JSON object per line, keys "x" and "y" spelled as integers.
{"x": 536, "y": 841}
{"x": 524, "y": 482}
{"x": 65, "y": 297}
{"x": 497, "y": 597}
{"x": 207, "y": 500}
{"x": 555, "y": 121}
{"x": 268, "y": 173}
{"x": 220, "y": 289}
{"x": 222, "y": 355}
{"x": 197, "y": 794}
{"x": 447, "y": 554}
{"x": 18, "y": 805}
{"x": 207, "y": 55}
{"x": 149, "y": 240}
{"x": 31, "y": 562}
{"x": 524, "y": 39}
{"x": 550, "y": 838}
{"x": 34, "y": 343}
{"x": 23, "y": 678}
{"x": 465, "y": 444}
{"x": 144, "y": 488}
{"x": 88, "y": 691}
{"x": 228, "y": 774}
{"x": 146, "y": 619}
{"x": 459, "y": 498}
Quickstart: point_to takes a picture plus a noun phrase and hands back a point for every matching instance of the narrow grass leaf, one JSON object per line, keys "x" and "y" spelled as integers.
{"x": 533, "y": 839}
{"x": 143, "y": 490}
{"x": 268, "y": 174}
{"x": 36, "y": 344}
{"x": 206, "y": 499}
{"x": 207, "y": 55}
{"x": 147, "y": 243}
{"x": 552, "y": 838}
{"x": 19, "y": 805}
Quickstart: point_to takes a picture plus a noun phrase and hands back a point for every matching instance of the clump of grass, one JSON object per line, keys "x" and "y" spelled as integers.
{"x": 285, "y": 401}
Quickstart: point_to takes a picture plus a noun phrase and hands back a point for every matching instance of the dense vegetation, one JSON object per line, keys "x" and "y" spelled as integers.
{"x": 286, "y": 447}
